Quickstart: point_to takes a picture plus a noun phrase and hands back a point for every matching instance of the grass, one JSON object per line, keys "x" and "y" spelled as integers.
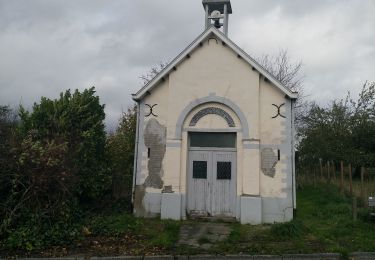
{"x": 166, "y": 236}
{"x": 307, "y": 177}
{"x": 323, "y": 223}
{"x": 158, "y": 233}
{"x": 114, "y": 225}
{"x": 283, "y": 231}
{"x": 329, "y": 215}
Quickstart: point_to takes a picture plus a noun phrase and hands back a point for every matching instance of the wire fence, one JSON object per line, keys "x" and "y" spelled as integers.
{"x": 356, "y": 182}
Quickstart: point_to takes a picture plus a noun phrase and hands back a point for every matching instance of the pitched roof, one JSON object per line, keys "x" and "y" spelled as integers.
{"x": 180, "y": 58}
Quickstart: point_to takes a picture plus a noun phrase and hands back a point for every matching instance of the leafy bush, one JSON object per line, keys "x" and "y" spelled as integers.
{"x": 78, "y": 119}
{"x": 56, "y": 167}
{"x": 344, "y": 130}
{"x": 8, "y": 147}
{"x": 120, "y": 149}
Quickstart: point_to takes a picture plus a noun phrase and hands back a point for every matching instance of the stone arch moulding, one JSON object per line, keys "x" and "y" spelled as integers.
{"x": 212, "y": 111}
{"x": 212, "y": 98}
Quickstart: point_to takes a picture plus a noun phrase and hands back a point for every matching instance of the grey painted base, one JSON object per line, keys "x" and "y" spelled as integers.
{"x": 171, "y": 206}
{"x": 251, "y": 210}
{"x": 152, "y": 202}
{"x": 277, "y": 210}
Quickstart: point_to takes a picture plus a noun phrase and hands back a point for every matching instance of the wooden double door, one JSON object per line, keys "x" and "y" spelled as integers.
{"x": 212, "y": 183}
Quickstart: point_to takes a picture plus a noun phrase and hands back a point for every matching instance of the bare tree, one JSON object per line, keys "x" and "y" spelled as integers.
{"x": 155, "y": 70}
{"x": 290, "y": 74}
{"x": 284, "y": 70}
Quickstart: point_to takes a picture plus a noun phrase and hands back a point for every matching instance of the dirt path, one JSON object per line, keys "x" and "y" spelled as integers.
{"x": 203, "y": 235}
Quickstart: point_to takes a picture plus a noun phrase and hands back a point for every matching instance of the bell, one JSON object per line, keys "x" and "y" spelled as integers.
{"x": 217, "y": 23}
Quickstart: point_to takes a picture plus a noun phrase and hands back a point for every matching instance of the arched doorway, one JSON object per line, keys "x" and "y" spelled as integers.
{"x": 211, "y": 174}
{"x": 199, "y": 121}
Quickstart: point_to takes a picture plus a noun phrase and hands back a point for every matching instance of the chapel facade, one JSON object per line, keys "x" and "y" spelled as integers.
{"x": 215, "y": 134}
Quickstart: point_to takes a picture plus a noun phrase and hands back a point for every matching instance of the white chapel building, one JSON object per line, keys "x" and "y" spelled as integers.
{"x": 215, "y": 134}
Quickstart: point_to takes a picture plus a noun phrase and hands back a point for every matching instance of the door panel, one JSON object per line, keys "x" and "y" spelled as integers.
{"x": 223, "y": 185}
{"x": 212, "y": 183}
{"x": 200, "y": 171}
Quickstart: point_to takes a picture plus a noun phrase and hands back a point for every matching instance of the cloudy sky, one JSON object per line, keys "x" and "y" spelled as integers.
{"x": 47, "y": 46}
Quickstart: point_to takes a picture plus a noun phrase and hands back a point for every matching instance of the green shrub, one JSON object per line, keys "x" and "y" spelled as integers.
{"x": 38, "y": 230}
{"x": 77, "y": 119}
{"x": 114, "y": 224}
{"x": 57, "y": 166}
{"x": 120, "y": 149}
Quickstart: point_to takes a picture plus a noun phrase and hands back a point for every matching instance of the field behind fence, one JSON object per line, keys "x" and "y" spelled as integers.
{"x": 357, "y": 182}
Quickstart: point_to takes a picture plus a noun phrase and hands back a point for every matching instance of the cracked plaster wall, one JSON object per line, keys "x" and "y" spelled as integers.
{"x": 154, "y": 136}
{"x": 155, "y": 141}
{"x": 269, "y": 161}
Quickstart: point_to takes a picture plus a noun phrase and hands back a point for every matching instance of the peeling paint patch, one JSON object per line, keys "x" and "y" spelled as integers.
{"x": 269, "y": 160}
{"x": 155, "y": 140}
{"x": 139, "y": 208}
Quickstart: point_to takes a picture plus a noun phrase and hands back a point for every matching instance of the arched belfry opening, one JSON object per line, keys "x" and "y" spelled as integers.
{"x": 217, "y": 13}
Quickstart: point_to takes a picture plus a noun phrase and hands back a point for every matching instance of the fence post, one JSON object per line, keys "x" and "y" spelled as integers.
{"x": 334, "y": 171}
{"x": 362, "y": 179}
{"x": 314, "y": 170}
{"x": 350, "y": 180}
{"x": 342, "y": 177}
{"x": 354, "y": 208}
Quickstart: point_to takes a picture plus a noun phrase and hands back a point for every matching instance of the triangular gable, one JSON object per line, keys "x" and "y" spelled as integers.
{"x": 212, "y": 30}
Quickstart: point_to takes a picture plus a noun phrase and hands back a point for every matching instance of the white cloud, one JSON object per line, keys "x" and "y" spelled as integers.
{"x": 47, "y": 46}
{"x": 334, "y": 41}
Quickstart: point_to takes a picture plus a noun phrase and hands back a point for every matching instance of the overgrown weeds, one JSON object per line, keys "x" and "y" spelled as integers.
{"x": 57, "y": 164}
{"x": 292, "y": 229}
{"x": 113, "y": 225}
